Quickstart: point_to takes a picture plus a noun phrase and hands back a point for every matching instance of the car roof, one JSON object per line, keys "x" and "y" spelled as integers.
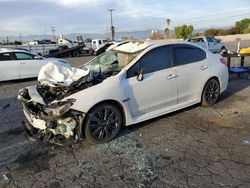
{"x": 3, "y": 50}
{"x": 134, "y": 47}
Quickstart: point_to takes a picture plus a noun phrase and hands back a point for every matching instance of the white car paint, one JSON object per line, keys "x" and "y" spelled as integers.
{"x": 13, "y": 68}
{"x": 98, "y": 43}
{"x": 159, "y": 92}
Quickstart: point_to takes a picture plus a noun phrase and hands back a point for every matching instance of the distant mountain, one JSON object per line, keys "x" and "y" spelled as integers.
{"x": 142, "y": 34}
{"x": 72, "y": 36}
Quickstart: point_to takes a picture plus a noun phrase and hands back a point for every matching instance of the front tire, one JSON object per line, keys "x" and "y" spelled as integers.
{"x": 211, "y": 92}
{"x": 103, "y": 123}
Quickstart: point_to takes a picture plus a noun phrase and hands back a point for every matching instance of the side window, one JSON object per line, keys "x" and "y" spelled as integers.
{"x": 24, "y": 56}
{"x": 5, "y": 57}
{"x": 157, "y": 59}
{"x": 210, "y": 39}
{"x": 185, "y": 54}
{"x": 100, "y": 42}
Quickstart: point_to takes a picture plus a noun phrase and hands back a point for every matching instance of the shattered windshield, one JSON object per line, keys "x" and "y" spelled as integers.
{"x": 110, "y": 61}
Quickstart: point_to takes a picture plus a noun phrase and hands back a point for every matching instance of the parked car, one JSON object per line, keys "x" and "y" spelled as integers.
{"x": 57, "y": 49}
{"x": 18, "y": 64}
{"x": 116, "y": 44}
{"x": 98, "y": 43}
{"x": 102, "y": 49}
{"x": 127, "y": 85}
{"x": 47, "y": 41}
{"x": 209, "y": 42}
{"x": 33, "y": 42}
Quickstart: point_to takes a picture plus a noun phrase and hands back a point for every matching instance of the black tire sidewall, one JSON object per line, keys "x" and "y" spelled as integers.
{"x": 204, "y": 101}
{"x": 88, "y": 118}
{"x": 76, "y": 54}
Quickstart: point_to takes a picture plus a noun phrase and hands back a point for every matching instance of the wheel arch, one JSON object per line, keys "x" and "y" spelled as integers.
{"x": 108, "y": 101}
{"x": 213, "y": 77}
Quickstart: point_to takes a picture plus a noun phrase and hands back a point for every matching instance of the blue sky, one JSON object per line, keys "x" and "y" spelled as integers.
{"x": 91, "y": 16}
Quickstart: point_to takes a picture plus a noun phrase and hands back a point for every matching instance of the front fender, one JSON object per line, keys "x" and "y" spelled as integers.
{"x": 107, "y": 90}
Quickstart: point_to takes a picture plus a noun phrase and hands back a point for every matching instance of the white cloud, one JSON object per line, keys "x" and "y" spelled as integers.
{"x": 23, "y": 24}
{"x": 75, "y": 3}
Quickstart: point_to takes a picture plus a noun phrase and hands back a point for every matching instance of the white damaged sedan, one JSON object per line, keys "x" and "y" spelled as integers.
{"x": 129, "y": 84}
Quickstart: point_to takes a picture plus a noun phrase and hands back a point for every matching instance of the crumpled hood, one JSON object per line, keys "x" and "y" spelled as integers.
{"x": 53, "y": 74}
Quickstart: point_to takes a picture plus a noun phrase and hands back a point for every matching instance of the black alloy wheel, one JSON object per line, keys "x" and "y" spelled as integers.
{"x": 103, "y": 123}
{"x": 211, "y": 92}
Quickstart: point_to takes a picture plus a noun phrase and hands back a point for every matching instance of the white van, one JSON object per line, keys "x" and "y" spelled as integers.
{"x": 97, "y": 43}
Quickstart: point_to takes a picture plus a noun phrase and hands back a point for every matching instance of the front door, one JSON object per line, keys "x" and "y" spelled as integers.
{"x": 158, "y": 88}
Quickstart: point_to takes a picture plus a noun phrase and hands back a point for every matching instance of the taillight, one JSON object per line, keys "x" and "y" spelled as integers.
{"x": 223, "y": 61}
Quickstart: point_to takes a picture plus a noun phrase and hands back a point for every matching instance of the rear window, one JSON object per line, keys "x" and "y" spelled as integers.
{"x": 196, "y": 40}
{"x": 24, "y": 56}
{"x": 185, "y": 54}
{"x": 5, "y": 57}
{"x": 210, "y": 39}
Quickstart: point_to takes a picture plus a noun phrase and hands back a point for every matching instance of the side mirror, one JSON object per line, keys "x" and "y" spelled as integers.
{"x": 139, "y": 76}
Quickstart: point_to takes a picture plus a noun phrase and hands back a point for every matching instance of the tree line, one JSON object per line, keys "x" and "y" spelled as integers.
{"x": 186, "y": 31}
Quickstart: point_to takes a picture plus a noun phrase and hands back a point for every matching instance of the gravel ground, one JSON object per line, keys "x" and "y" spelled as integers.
{"x": 194, "y": 147}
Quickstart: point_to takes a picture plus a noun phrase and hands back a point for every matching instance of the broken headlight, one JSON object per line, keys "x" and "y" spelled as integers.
{"x": 60, "y": 108}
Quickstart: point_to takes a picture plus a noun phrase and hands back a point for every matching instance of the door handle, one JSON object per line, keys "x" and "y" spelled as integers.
{"x": 204, "y": 67}
{"x": 171, "y": 76}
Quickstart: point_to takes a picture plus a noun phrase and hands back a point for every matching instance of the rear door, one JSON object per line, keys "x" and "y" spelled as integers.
{"x": 9, "y": 69}
{"x": 191, "y": 67}
{"x": 29, "y": 65}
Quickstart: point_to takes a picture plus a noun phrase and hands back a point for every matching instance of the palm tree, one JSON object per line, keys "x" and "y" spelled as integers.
{"x": 167, "y": 28}
{"x": 168, "y": 22}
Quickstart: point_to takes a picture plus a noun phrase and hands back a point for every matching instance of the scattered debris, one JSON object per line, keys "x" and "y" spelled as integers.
{"x": 140, "y": 145}
{"x": 6, "y": 106}
{"x": 246, "y": 142}
{"x": 6, "y": 177}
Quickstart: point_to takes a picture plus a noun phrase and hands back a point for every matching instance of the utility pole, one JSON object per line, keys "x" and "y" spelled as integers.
{"x": 53, "y": 29}
{"x": 7, "y": 40}
{"x": 167, "y": 30}
{"x": 20, "y": 37}
{"x": 112, "y": 28}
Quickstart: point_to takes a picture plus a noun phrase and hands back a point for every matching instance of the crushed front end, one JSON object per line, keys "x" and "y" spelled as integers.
{"x": 48, "y": 120}
{"x": 46, "y": 106}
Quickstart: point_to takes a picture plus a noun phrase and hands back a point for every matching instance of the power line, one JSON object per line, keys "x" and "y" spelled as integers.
{"x": 220, "y": 19}
{"x": 218, "y": 14}
{"x": 194, "y": 20}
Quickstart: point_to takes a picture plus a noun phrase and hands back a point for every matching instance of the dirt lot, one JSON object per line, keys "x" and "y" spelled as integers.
{"x": 194, "y": 147}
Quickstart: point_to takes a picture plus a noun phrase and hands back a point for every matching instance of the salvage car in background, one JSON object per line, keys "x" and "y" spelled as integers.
{"x": 19, "y": 64}
{"x": 209, "y": 42}
{"x": 127, "y": 85}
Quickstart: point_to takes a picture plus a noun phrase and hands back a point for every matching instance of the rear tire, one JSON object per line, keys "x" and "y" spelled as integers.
{"x": 103, "y": 123}
{"x": 211, "y": 92}
{"x": 223, "y": 49}
{"x": 76, "y": 54}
